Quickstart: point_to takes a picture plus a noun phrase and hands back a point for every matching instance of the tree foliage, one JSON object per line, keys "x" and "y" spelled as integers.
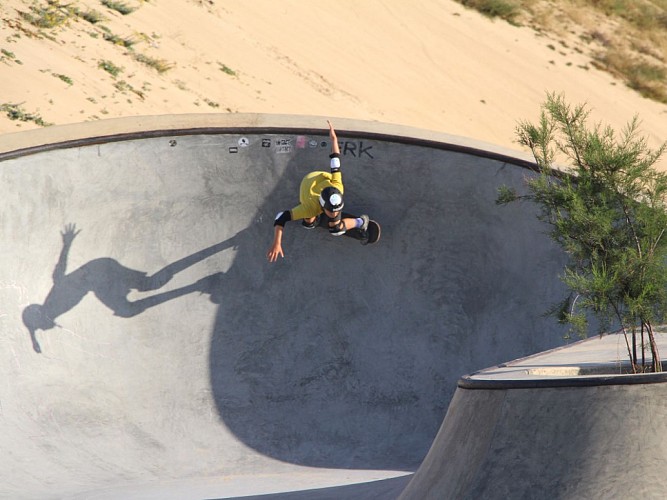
{"x": 607, "y": 208}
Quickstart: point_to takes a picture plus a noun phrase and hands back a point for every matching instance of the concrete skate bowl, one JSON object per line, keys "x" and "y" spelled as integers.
{"x": 176, "y": 362}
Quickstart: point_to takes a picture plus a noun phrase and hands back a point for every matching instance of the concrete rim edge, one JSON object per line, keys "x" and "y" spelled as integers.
{"x": 467, "y": 382}
{"x": 29, "y": 142}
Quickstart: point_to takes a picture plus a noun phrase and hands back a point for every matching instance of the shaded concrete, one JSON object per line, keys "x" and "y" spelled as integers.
{"x": 172, "y": 353}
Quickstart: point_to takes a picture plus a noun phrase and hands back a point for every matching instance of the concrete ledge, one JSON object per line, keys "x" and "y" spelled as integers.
{"x": 594, "y": 361}
{"x": 143, "y": 127}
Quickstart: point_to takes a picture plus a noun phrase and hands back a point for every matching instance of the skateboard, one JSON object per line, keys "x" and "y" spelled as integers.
{"x": 374, "y": 230}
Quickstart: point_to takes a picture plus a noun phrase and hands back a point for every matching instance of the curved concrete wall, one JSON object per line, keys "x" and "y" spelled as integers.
{"x": 182, "y": 355}
{"x": 569, "y": 442}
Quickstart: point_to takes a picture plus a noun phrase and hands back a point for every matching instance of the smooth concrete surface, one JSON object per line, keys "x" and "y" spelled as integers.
{"x": 175, "y": 362}
{"x": 563, "y": 424}
{"x": 606, "y": 356}
{"x": 594, "y": 442}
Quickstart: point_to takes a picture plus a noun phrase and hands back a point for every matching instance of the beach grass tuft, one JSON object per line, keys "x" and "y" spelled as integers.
{"x": 110, "y": 68}
{"x": 160, "y": 65}
{"x": 120, "y": 7}
{"x": 16, "y": 112}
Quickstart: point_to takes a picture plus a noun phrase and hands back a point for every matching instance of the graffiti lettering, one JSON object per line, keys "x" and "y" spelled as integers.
{"x": 356, "y": 149}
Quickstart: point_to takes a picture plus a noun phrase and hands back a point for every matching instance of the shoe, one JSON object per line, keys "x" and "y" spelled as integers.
{"x": 364, "y": 226}
{"x": 312, "y": 225}
{"x": 363, "y": 230}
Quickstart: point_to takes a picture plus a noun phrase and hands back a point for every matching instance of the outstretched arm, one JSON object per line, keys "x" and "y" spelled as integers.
{"x": 279, "y": 226}
{"x": 276, "y": 249}
{"x": 68, "y": 234}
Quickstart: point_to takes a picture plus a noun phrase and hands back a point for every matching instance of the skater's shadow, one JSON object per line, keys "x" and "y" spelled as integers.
{"x": 111, "y": 282}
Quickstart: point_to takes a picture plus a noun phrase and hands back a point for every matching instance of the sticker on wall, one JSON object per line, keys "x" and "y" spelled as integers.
{"x": 233, "y": 149}
{"x": 266, "y": 143}
{"x": 284, "y": 146}
{"x": 300, "y": 141}
{"x": 312, "y": 144}
{"x": 244, "y": 142}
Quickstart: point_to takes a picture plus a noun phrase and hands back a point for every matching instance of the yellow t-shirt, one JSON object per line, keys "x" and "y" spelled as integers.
{"x": 309, "y": 193}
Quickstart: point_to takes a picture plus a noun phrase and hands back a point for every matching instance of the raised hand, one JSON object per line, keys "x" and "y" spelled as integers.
{"x": 334, "y": 139}
{"x": 332, "y": 132}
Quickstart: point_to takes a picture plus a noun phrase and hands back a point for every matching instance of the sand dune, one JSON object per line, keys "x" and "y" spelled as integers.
{"x": 433, "y": 65}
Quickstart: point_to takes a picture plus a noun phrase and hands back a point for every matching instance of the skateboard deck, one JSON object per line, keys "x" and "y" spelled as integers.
{"x": 374, "y": 232}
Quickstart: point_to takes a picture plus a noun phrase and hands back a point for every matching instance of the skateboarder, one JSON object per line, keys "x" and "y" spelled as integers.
{"x": 321, "y": 203}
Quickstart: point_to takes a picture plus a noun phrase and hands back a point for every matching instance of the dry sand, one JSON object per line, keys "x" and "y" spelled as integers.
{"x": 433, "y": 65}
